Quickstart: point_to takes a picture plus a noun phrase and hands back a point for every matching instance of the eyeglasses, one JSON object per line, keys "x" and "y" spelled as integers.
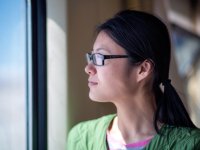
{"x": 98, "y": 59}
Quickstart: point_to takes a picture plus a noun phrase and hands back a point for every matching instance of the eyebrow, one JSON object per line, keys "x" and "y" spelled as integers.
{"x": 98, "y": 49}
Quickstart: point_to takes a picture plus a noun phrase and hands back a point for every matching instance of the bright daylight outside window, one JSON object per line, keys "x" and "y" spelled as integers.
{"x": 13, "y": 75}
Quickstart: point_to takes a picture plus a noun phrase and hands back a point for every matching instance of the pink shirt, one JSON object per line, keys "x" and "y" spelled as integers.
{"x": 115, "y": 144}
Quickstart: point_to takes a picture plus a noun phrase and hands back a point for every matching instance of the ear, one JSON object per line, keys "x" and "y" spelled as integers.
{"x": 144, "y": 70}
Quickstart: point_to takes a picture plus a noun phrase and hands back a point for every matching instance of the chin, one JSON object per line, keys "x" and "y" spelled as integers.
{"x": 96, "y": 98}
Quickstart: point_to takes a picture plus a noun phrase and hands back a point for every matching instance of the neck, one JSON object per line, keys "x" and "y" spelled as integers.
{"x": 134, "y": 119}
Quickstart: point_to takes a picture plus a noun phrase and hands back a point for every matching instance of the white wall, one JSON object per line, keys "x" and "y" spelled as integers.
{"x": 57, "y": 73}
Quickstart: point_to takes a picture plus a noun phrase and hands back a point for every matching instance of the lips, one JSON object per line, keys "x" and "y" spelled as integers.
{"x": 92, "y": 83}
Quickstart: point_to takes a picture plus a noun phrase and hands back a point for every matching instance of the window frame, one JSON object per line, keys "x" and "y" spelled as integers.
{"x": 39, "y": 74}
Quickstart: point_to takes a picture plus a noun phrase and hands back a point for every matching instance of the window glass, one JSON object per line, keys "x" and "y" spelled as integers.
{"x": 13, "y": 78}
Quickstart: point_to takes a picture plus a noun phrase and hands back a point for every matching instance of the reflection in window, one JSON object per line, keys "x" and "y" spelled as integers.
{"x": 13, "y": 82}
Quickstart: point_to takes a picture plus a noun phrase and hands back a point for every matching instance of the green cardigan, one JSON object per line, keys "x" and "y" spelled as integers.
{"x": 91, "y": 135}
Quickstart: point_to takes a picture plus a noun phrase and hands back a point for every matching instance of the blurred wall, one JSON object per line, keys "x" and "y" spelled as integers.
{"x": 186, "y": 15}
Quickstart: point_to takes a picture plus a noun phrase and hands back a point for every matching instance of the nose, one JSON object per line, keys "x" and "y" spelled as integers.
{"x": 90, "y": 69}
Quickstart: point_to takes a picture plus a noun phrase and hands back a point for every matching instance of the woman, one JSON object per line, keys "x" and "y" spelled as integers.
{"x": 129, "y": 66}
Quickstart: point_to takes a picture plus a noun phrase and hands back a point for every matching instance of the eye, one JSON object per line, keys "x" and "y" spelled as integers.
{"x": 98, "y": 58}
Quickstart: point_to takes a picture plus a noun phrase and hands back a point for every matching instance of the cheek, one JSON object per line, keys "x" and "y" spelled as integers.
{"x": 123, "y": 79}
{"x": 115, "y": 83}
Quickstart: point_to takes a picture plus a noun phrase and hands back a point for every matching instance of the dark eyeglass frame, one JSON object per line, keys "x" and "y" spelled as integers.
{"x": 90, "y": 57}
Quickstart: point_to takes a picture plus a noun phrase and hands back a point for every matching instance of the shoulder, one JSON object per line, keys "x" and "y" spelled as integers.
{"x": 82, "y": 132}
{"x": 181, "y": 132}
{"x": 178, "y": 138}
{"x": 184, "y": 137}
{"x": 92, "y": 125}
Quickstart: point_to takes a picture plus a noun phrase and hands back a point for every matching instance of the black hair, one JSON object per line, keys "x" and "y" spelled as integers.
{"x": 144, "y": 36}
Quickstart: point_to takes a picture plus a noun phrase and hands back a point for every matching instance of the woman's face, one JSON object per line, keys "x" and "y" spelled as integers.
{"x": 114, "y": 80}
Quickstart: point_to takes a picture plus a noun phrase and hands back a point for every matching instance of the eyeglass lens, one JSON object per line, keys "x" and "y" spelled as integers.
{"x": 96, "y": 59}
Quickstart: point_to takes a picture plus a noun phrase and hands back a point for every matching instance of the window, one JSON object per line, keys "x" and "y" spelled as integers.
{"x": 13, "y": 75}
{"x": 23, "y": 109}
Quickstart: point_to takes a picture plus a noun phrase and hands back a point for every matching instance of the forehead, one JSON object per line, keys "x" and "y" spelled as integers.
{"x": 103, "y": 41}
